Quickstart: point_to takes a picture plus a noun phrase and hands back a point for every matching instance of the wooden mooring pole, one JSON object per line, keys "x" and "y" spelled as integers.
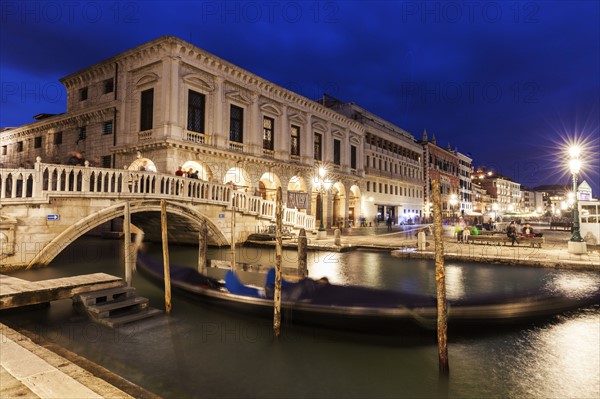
{"x": 165, "y": 248}
{"x": 278, "y": 252}
{"x": 302, "y": 247}
{"x": 233, "y": 199}
{"x": 127, "y": 250}
{"x": 202, "y": 247}
{"x": 440, "y": 282}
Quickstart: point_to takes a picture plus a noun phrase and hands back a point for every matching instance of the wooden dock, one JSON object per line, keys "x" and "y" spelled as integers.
{"x": 15, "y": 292}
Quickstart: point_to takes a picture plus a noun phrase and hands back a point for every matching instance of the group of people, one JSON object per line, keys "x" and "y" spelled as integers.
{"x": 191, "y": 173}
{"x": 526, "y": 232}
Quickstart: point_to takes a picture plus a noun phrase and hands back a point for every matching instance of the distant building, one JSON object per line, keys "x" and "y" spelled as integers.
{"x": 505, "y": 193}
{"x": 441, "y": 165}
{"x": 393, "y": 166}
{"x": 531, "y": 201}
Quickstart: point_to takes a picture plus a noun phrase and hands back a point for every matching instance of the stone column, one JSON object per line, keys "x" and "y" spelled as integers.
{"x": 170, "y": 98}
{"x": 253, "y": 138}
{"x": 282, "y": 139}
{"x": 220, "y": 133}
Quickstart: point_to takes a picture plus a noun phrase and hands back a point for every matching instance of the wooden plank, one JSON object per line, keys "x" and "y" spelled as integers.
{"x": 35, "y": 292}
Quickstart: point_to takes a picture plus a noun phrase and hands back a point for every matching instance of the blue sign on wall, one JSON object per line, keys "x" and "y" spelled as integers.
{"x": 53, "y": 217}
{"x": 221, "y": 215}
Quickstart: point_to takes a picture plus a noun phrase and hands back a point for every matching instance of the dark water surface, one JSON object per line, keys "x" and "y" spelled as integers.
{"x": 201, "y": 351}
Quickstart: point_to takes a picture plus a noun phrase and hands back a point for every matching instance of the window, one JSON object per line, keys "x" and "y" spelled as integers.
{"x": 147, "y": 109}
{"x": 196, "y": 109}
{"x": 318, "y": 147}
{"x": 236, "y": 124}
{"x": 19, "y": 146}
{"x": 57, "y": 138}
{"x": 368, "y": 186}
{"x": 268, "y": 131}
{"x": 109, "y": 86}
{"x": 295, "y": 141}
{"x": 4, "y": 149}
{"x": 106, "y": 161}
{"x": 107, "y": 127}
{"x": 82, "y": 133}
{"x": 353, "y": 157}
{"x": 337, "y": 153}
{"x": 83, "y": 94}
{"x": 37, "y": 142}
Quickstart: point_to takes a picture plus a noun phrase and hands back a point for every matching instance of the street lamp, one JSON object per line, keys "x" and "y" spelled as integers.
{"x": 453, "y": 201}
{"x": 322, "y": 185}
{"x": 576, "y": 244}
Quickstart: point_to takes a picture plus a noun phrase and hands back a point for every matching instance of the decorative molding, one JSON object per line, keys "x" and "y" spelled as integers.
{"x": 270, "y": 108}
{"x": 198, "y": 80}
{"x": 150, "y": 77}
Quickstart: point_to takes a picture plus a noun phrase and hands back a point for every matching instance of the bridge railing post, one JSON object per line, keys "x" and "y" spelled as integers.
{"x": 38, "y": 181}
{"x": 86, "y": 177}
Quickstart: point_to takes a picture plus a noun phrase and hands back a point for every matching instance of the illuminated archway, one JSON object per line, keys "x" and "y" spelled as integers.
{"x": 239, "y": 177}
{"x": 143, "y": 164}
{"x": 268, "y": 185}
{"x": 354, "y": 205}
{"x": 338, "y": 196}
{"x": 203, "y": 170}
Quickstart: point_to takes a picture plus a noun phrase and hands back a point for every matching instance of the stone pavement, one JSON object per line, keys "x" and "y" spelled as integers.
{"x": 28, "y": 370}
{"x": 403, "y": 244}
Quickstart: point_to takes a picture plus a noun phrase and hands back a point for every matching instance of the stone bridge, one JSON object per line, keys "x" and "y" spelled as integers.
{"x": 44, "y": 209}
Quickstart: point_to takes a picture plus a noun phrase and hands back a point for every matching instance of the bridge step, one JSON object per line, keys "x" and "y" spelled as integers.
{"x": 115, "y": 306}
{"x": 111, "y": 294}
{"x": 129, "y": 317}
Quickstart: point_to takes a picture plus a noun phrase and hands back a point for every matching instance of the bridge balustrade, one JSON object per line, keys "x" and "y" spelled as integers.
{"x": 67, "y": 180}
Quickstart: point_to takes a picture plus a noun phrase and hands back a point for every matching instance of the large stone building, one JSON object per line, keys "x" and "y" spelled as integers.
{"x": 168, "y": 104}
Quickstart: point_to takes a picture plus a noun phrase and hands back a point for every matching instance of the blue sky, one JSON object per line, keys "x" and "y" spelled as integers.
{"x": 508, "y": 82}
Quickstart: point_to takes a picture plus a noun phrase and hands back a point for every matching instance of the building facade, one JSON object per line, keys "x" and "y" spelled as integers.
{"x": 167, "y": 105}
{"x": 393, "y": 166}
{"x": 441, "y": 165}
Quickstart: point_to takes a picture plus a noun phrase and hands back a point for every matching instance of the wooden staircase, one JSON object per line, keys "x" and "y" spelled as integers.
{"x": 115, "y": 306}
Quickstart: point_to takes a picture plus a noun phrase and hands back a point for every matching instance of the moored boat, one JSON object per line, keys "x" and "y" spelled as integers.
{"x": 319, "y": 303}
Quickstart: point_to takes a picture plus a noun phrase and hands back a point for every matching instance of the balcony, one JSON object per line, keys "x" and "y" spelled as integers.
{"x": 235, "y": 146}
{"x": 195, "y": 137}
{"x": 144, "y": 135}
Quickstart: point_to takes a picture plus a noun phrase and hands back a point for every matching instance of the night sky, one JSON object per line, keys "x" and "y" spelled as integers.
{"x": 507, "y": 82}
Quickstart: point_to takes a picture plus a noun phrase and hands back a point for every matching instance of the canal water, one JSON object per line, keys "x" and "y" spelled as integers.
{"x": 205, "y": 352}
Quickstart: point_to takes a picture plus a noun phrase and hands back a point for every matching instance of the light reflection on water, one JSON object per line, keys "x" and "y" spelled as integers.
{"x": 203, "y": 351}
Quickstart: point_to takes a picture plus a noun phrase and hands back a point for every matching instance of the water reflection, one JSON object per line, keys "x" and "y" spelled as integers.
{"x": 204, "y": 351}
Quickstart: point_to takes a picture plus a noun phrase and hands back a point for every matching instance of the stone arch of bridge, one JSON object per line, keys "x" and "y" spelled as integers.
{"x": 82, "y": 226}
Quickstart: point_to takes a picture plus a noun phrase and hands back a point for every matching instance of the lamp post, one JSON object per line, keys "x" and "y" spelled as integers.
{"x": 453, "y": 201}
{"x": 322, "y": 185}
{"x": 576, "y": 244}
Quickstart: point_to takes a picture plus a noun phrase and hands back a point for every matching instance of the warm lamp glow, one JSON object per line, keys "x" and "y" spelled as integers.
{"x": 322, "y": 171}
{"x": 574, "y": 151}
{"x": 575, "y": 166}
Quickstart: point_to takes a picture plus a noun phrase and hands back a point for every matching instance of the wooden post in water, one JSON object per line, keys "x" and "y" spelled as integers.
{"x": 440, "y": 282}
{"x": 165, "y": 248}
{"x": 203, "y": 246}
{"x": 278, "y": 251}
{"x": 232, "y": 227}
{"x": 302, "y": 264}
{"x": 127, "y": 251}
